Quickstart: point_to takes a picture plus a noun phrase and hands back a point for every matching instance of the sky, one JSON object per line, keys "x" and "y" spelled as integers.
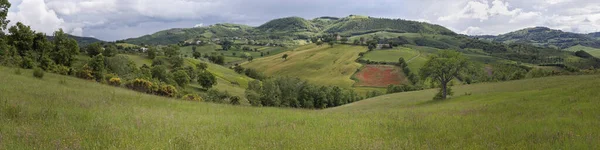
{"x": 120, "y": 19}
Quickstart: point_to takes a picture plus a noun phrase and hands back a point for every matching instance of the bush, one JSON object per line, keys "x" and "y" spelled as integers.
{"x": 85, "y": 73}
{"x": 63, "y": 70}
{"x": 167, "y": 90}
{"x": 38, "y": 73}
{"x": 115, "y": 81}
{"x": 192, "y": 97}
{"x": 235, "y": 100}
{"x": 140, "y": 85}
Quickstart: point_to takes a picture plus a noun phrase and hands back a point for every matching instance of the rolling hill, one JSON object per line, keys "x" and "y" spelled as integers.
{"x": 547, "y": 113}
{"x": 546, "y": 37}
{"x": 292, "y": 28}
{"x": 82, "y": 41}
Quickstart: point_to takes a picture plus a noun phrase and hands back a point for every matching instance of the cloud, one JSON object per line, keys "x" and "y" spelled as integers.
{"x": 36, "y": 14}
{"x": 120, "y": 19}
{"x": 198, "y": 25}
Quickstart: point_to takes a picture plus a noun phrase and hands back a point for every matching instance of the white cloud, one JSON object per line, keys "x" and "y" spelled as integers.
{"x": 198, "y": 25}
{"x": 77, "y": 32}
{"x": 37, "y": 15}
{"x": 473, "y": 31}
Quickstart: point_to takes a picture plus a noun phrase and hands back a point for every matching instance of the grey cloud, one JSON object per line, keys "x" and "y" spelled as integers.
{"x": 120, "y": 19}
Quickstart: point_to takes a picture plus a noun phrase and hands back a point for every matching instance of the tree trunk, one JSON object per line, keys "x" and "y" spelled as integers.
{"x": 444, "y": 90}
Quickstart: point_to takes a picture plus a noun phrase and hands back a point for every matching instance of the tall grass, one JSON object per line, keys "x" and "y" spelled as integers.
{"x": 545, "y": 113}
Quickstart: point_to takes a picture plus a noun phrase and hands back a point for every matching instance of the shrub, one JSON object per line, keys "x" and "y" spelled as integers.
{"x": 167, "y": 90}
{"x": 115, "y": 81}
{"x": 235, "y": 100}
{"x": 38, "y": 73}
{"x": 140, "y": 85}
{"x": 63, "y": 70}
{"x": 85, "y": 73}
{"x": 192, "y": 97}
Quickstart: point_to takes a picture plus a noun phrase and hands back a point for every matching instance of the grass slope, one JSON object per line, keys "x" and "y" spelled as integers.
{"x": 593, "y": 51}
{"x": 67, "y": 113}
{"x": 323, "y": 64}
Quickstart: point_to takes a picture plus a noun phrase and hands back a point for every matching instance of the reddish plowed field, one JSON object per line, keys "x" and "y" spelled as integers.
{"x": 380, "y": 76}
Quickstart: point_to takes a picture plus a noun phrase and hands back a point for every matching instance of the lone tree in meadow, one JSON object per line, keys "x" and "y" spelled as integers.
{"x": 285, "y": 56}
{"x": 443, "y": 68}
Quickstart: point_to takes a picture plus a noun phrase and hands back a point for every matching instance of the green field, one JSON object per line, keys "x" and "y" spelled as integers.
{"x": 413, "y": 56}
{"x": 60, "y": 112}
{"x": 593, "y": 51}
{"x": 318, "y": 64}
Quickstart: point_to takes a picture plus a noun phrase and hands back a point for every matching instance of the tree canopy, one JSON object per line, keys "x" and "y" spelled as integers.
{"x": 444, "y": 67}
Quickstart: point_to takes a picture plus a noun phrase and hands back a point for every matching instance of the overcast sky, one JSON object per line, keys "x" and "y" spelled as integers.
{"x": 120, "y": 19}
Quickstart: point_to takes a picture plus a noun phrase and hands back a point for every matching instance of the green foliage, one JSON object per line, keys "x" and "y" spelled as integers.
{"x": 122, "y": 66}
{"x": 161, "y": 73}
{"x": 152, "y": 52}
{"x": 110, "y": 50}
{"x": 583, "y": 54}
{"x": 38, "y": 73}
{"x": 444, "y": 67}
{"x": 239, "y": 69}
{"x": 402, "y": 88}
{"x": 97, "y": 67}
{"x": 65, "y": 49}
{"x": 4, "y": 6}
{"x": 181, "y": 77}
{"x": 546, "y": 37}
{"x": 94, "y": 49}
{"x": 285, "y": 56}
{"x": 140, "y": 85}
{"x": 21, "y": 37}
{"x": 171, "y": 51}
{"x": 226, "y": 45}
{"x": 431, "y": 43}
{"x": 207, "y": 80}
{"x": 234, "y": 100}
{"x": 217, "y": 59}
{"x": 293, "y": 92}
{"x": 216, "y": 96}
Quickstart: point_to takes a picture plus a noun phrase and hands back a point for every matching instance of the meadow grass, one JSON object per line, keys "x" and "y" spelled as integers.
{"x": 593, "y": 51}
{"x": 59, "y": 112}
{"x": 323, "y": 64}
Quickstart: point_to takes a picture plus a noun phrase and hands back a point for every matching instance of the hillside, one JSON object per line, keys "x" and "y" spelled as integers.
{"x": 318, "y": 64}
{"x": 284, "y": 30}
{"x": 174, "y": 36}
{"x": 546, "y": 37}
{"x": 82, "y": 41}
{"x": 537, "y": 113}
{"x": 360, "y": 25}
{"x": 290, "y": 24}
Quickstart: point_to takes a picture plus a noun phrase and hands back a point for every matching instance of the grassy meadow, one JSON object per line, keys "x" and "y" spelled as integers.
{"x": 60, "y": 112}
{"x": 322, "y": 64}
{"x": 593, "y": 51}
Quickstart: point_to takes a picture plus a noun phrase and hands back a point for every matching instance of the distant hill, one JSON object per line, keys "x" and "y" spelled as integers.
{"x": 82, "y": 41}
{"x": 292, "y": 28}
{"x": 173, "y": 36}
{"x": 290, "y": 24}
{"x": 546, "y": 37}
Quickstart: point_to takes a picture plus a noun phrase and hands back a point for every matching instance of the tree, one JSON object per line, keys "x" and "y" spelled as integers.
{"x": 372, "y": 45}
{"x": 207, "y": 80}
{"x": 65, "y": 49}
{"x": 226, "y": 45}
{"x": 98, "y": 67}
{"x": 152, "y": 52}
{"x": 197, "y": 55}
{"x": 171, "y": 50}
{"x": 239, "y": 69}
{"x": 194, "y": 48}
{"x": 160, "y": 72}
{"x": 122, "y": 66}
{"x": 331, "y": 43}
{"x": 94, "y": 49}
{"x": 176, "y": 62}
{"x": 21, "y": 37}
{"x": 181, "y": 77}
{"x": 110, "y": 50}
{"x": 443, "y": 68}
{"x": 285, "y": 56}
{"x": 314, "y": 39}
{"x": 4, "y": 6}
{"x": 201, "y": 66}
